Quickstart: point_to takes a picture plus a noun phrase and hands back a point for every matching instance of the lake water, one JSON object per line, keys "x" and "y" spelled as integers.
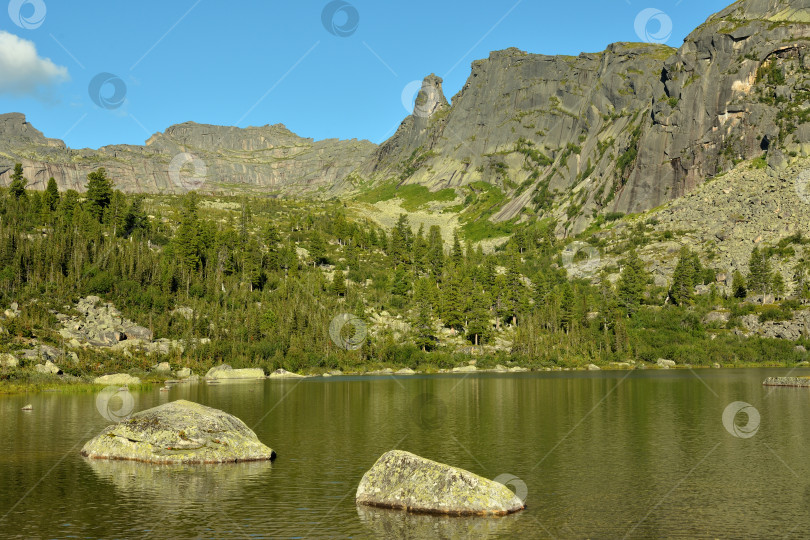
{"x": 601, "y": 454}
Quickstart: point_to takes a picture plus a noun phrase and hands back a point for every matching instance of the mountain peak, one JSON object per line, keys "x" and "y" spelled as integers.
{"x": 772, "y": 10}
{"x": 430, "y": 98}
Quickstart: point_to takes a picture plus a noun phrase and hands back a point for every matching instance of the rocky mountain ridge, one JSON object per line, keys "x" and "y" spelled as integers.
{"x": 623, "y": 130}
{"x": 571, "y": 138}
{"x": 187, "y": 156}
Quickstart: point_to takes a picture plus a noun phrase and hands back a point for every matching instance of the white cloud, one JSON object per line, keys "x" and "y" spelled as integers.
{"x": 22, "y": 71}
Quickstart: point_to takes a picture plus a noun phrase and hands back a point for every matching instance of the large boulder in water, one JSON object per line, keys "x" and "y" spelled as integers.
{"x": 402, "y": 480}
{"x": 179, "y": 432}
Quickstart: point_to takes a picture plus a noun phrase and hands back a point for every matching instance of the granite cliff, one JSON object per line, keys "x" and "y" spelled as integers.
{"x": 623, "y": 130}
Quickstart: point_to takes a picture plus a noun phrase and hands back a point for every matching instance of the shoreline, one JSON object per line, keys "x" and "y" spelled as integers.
{"x": 86, "y": 385}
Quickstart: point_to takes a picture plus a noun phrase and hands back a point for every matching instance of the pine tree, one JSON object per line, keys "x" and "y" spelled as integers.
{"x": 317, "y": 249}
{"x": 420, "y": 251}
{"x": 401, "y": 284}
{"x": 567, "y": 307}
{"x": 435, "y": 252}
{"x": 684, "y": 278}
{"x": 738, "y": 286}
{"x": 457, "y": 254}
{"x": 632, "y": 282}
{"x": 136, "y": 218}
{"x": 759, "y": 272}
{"x": 423, "y": 325}
{"x": 187, "y": 238}
{"x": 339, "y": 283}
{"x": 52, "y": 195}
{"x": 99, "y": 193}
{"x": 453, "y": 302}
{"x": 18, "y": 182}
{"x": 479, "y": 327}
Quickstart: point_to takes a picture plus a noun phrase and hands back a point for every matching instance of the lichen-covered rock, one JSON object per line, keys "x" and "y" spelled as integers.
{"x": 405, "y": 481}
{"x": 284, "y": 374}
{"x": 179, "y": 432}
{"x": 122, "y": 379}
{"x": 787, "y": 381}
{"x": 225, "y": 371}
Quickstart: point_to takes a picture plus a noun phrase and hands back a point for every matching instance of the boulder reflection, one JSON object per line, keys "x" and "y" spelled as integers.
{"x": 384, "y": 523}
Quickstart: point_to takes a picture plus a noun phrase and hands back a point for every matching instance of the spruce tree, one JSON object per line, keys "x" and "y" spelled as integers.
{"x": 17, "y": 187}
{"x": 479, "y": 327}
{"x": 632, "y": 282}
{"x": 684, "y": 278}
{"x": 51, "y": 195}
{"x": 457, "y": 254}
{"x": 423, "y": 324}
{"x": 339, "y": 283}
{"x": 435, "y": 252}
{"x": 99, "y": 193}
{"x": 759, "y": 272}
{"x": 738, "y": 286}
{"x": 317, "y": 249}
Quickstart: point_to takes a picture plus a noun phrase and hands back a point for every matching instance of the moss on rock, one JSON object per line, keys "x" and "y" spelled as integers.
{"x": 405, "y": 481}
{"x": 179, "y": 432}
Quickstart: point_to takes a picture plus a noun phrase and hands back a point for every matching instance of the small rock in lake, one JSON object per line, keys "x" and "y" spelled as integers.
{"x": 28, "y": 407}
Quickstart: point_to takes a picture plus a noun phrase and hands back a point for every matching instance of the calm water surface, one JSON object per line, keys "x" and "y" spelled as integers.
{"x": 602, "y": 455}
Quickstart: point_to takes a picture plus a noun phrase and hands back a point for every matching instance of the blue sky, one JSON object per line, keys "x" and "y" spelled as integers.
{"x": 267, "y": 62}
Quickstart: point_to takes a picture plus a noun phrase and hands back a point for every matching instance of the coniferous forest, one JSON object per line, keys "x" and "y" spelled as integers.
{"x": 264, "y": 278}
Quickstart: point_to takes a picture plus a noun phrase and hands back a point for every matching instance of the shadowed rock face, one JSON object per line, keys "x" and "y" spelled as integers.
{"x": 405, "y": 481}
{"x": 179, "y": 432}
{"x": 265, "y": 159}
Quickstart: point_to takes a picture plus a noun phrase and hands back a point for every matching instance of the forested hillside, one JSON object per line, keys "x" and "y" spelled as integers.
{"x": 262, "y": 279}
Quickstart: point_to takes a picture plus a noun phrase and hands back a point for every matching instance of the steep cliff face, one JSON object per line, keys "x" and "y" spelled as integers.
{"x": 619, "y": 131}
{"x": 216, "y": 158}
{"x": 737, "y": 88}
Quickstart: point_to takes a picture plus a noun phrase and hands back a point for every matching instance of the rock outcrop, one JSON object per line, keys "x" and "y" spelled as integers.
{"x": 179, "y": 432}
{"x": 401, "y": 480}
{"x": 219, "y": 159}
{"x": 622, "y": 130}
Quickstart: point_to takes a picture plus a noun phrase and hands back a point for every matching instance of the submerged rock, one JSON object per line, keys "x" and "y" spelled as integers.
{"x": 787, "y": 381}
{"x": 405, "y": 481}
{"x": 225, "y": 371}
{"x": 179, "y": 432}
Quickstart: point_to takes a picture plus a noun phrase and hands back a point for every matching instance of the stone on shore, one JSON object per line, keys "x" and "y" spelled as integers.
{"x": 663, "y": 363}
{"x": 48, "y": 367}
{"x": 405, "y": 481}
{"x": 465, "y": 369}
{"x": 120, "y": 379}
{"x": 8, "y": 360}
{"x": 284, "y": 374}
{"x": 179, "y": 432}
{"x": 225, "y": 371}
{"x": 183, "y": 373}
